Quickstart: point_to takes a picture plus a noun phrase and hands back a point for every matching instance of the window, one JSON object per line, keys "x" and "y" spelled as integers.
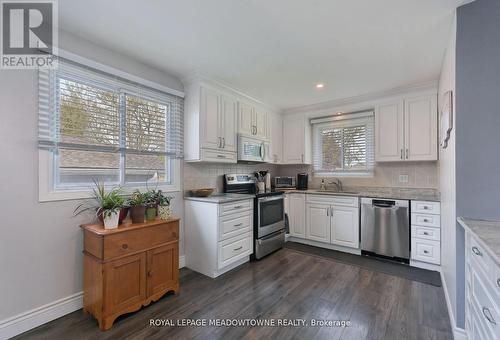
{"x": 343, "y": 145}
{"x": 95, "y": 126}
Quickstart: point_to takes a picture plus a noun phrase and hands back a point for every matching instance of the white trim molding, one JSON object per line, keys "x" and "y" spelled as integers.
{"x": 458, "y": 333}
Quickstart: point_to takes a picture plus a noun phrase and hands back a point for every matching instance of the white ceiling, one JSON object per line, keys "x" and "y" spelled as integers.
{"x": 276, "y": 50}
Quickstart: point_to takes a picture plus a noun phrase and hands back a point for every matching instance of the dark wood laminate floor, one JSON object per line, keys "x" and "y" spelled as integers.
{"x": 285, "y": 285}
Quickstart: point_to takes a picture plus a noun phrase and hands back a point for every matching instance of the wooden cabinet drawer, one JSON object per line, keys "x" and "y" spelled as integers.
{"x": 425, "y": 233}
{"x": 132, "y": 241}
{"x": 426, "y": 250}
{"x": 425, "y": 207}
{"x": 235, "y": 207}
{"x": 426, "y": 220}
{"x": 234, "y": 249}
{"x": 234, "y": 225}
{"x": 487, "y": 308}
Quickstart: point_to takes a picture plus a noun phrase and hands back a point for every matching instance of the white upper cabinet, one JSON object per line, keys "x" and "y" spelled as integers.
{"x": 406, "y": 130}
{"x": 253, "y": 121}
{"x": 261, "y": 122}
{"x": 229, "y": 109}
{"x": 210, "y": 119}
{"x": 296, "y": 140}
{"x": 276, "y": 138}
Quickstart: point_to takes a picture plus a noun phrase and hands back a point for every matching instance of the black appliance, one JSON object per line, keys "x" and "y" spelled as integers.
{"x": 302, "y": 180}
{"x": 268, "y": 213}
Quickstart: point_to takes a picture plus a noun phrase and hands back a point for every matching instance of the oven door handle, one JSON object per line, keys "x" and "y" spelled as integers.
{"x": 267, "y": 199}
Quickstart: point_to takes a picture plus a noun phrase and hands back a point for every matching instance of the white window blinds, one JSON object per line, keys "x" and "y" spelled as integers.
{"x": 81, "y": 108}
{"x": 343, "y": 145}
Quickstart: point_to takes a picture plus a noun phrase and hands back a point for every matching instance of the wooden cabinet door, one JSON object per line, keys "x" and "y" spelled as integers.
{"x": 421, "y": 128}
{"x": 296, "y": 215}
{"x": 318, "y": 222}
{"x": 389, "y": 132}
{"x": 345, "y": 226}
{"x": 245, "y": 119}
{"x": 210, "y": 119}
{"x": 293, "y": 140}
{"x": 229, "y": 110}
{"x": 276, "y": 138}
{"x": 125, "y": 283}
{"x": 163, "y": 268}
{"x": 261, "y": 123}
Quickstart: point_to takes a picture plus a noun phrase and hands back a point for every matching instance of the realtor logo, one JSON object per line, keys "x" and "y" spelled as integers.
{"x": 29, "y": 34}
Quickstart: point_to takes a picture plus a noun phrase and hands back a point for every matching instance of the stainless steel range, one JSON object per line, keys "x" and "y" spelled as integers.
{"x": 269, "y": 213}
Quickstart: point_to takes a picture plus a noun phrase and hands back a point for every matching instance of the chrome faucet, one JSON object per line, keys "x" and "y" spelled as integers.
{"x": 337, "y": 183}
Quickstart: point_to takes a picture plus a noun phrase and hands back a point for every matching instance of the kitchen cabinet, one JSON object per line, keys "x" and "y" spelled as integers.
{"x": 425, "y": 234}
{"x": 345, "y": 226}
{"x": 276, "y": 138}
{"x": 253, "y": 120}
{"x": 296, "y": 214}
{"x": 406, "y": 130}
{"x": 318, "y": 222}
{"x": 210, "y": 124}
{"x": 296, "y": 140}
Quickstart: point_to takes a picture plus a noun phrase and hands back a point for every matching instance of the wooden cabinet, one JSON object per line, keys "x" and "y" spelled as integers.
{"x": 253, "y": 120}
{"x": 318, "y": 222}
{"x": 406, "y": 130}
{"x": 296, "y": 140}
{"x": 276, "y": 138}
{"x": 296, "y": 214}
{"x": 129, "y": 267}
{"x": 210, "y": 123}
{"x": 345, "y": 226}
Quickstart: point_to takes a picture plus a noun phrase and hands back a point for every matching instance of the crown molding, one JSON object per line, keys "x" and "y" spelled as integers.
{"x": 424, "y": 86}
{"x": 198, "y": 76}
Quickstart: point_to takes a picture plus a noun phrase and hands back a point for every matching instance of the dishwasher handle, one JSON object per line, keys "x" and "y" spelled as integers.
{"x": 383, "y": 203}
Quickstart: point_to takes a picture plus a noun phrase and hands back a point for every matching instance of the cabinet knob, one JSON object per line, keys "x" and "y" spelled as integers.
{"x": 426, "y": 220}
{"x": 426, "y": 252}
{"x": 125, "y": 246}
{"x": 426, "y": 233}
{"x": 150, "y": 273}
{"x": 498, "y": 282}
{"x": 476, "y": 251}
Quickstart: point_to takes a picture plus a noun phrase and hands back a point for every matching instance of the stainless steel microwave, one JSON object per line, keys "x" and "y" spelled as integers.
{"x": 284, "y": 182}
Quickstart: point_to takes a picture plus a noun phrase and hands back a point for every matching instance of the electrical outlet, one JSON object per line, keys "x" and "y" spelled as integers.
{"x": 403, "y": 178}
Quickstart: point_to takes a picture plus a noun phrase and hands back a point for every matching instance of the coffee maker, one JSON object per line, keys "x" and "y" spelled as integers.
{"x": 302, "y": 180}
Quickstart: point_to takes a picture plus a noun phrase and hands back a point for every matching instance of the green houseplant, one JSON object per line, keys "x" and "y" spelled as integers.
{"x": 137, "y": 206}
{"x": 164, "y": 205}
{"x": 151, "y": 199}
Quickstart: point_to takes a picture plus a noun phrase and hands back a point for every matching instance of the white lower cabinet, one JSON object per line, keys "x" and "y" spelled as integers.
{"x": 318, "y": 222}
{"x": 425, "y": 234}
{"x": 218, "y": 237}
{"x": 345, "y": 226}
{"x": 296, "y": 214}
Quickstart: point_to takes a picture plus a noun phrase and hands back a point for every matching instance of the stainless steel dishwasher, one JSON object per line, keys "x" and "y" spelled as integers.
{"x": 385, "y": 228}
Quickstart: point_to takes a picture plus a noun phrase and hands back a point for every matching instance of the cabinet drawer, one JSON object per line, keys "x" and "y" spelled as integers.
{"x": 139, "y": 239}
{"x": 425, "y": 233}
{"x": 426, "y": 250}
{"x": 425, "y": 207}
{"x": 479, "y": 257}
{"x": 487, "y": 308}
{"x": 218, "y": 156}
{"x": 234, "y": 225}
{"x": 333, "y": 200}
{"x": 426, "y": 220}
{"x": 235, "y": 207}
{"x": 234, "y": 249}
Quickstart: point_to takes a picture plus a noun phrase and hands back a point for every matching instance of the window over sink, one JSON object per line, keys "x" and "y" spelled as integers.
{"x": 343, "y": 145}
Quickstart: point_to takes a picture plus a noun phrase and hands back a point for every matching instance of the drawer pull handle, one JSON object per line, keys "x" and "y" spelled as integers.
{"x": 237, "y": 207}
{"x": 124, "y": 246}
{"x": 426, "y": 207}
{"x": 426, "y": 220}
{"x": 240, "y": 247}
{"x": 426, "y": 252}
{"x": 239, "y": 224}
{"x": 426, "y": 233}
{"x": 221, "y": 156}
{"x": 488, "y": 316}
{"x": 498, "y": 282}
{"x": 476, "y": 251}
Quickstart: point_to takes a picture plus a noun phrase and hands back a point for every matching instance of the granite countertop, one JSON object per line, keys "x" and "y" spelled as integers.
{"x": 487, "y": 232}
{"x": 394, "y": 193}
{"x": 220, "y": 198}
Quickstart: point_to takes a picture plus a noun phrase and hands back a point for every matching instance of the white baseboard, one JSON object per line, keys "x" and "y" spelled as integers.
{"x": 458, "y": 333}
{"x": 28, "y": 320}
{"x": 36, "y": 317}
{"x": 325, "y": 245}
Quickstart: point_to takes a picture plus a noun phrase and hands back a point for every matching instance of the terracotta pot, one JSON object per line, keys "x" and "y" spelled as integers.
{"x": 151, "y": 213}
{"x": 137, "y": 213}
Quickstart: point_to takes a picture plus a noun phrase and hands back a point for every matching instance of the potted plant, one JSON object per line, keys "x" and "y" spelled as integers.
{"x": 108, "y": 206}
{"x": 151, "y": 202}
{"x": 164, "y": 205}
{"x": 137, "y": 206}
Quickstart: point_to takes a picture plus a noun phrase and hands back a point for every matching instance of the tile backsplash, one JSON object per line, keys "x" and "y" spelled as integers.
{"x": 419, "y": 174}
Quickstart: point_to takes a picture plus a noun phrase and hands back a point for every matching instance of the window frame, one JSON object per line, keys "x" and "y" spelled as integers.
{"x": 370, "y": 147}
{"x": 47, "y": 159}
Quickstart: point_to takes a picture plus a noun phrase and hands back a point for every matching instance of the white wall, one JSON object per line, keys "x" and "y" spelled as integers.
{"x": 447, "y": 180}
{"x": 40, "y": 243}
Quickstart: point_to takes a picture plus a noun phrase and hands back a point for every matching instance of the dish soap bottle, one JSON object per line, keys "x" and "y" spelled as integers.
{"x": 322, "y": 187}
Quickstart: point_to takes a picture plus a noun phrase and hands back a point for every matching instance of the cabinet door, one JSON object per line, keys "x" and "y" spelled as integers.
{"x": 210, "y": 119}
{"x": 421, "y": 128}
{"x": 318, "y": 222}
{"x": 229, "y": 109}
{"x": 293, "y": 140}
{"x": 276, "y": 138}
{"x": 345, "y": 226}
{"x": 125, "y": 283}
{"x": 389, "y": 129}
{"x": 245, "y": 119}
{"x": 261, "y": 123}
{"x": 296, "y": 215}
{"x": 163, "y": 269}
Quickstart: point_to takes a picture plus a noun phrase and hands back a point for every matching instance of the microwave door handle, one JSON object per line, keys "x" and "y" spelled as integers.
{"x": 260, "y": 151}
